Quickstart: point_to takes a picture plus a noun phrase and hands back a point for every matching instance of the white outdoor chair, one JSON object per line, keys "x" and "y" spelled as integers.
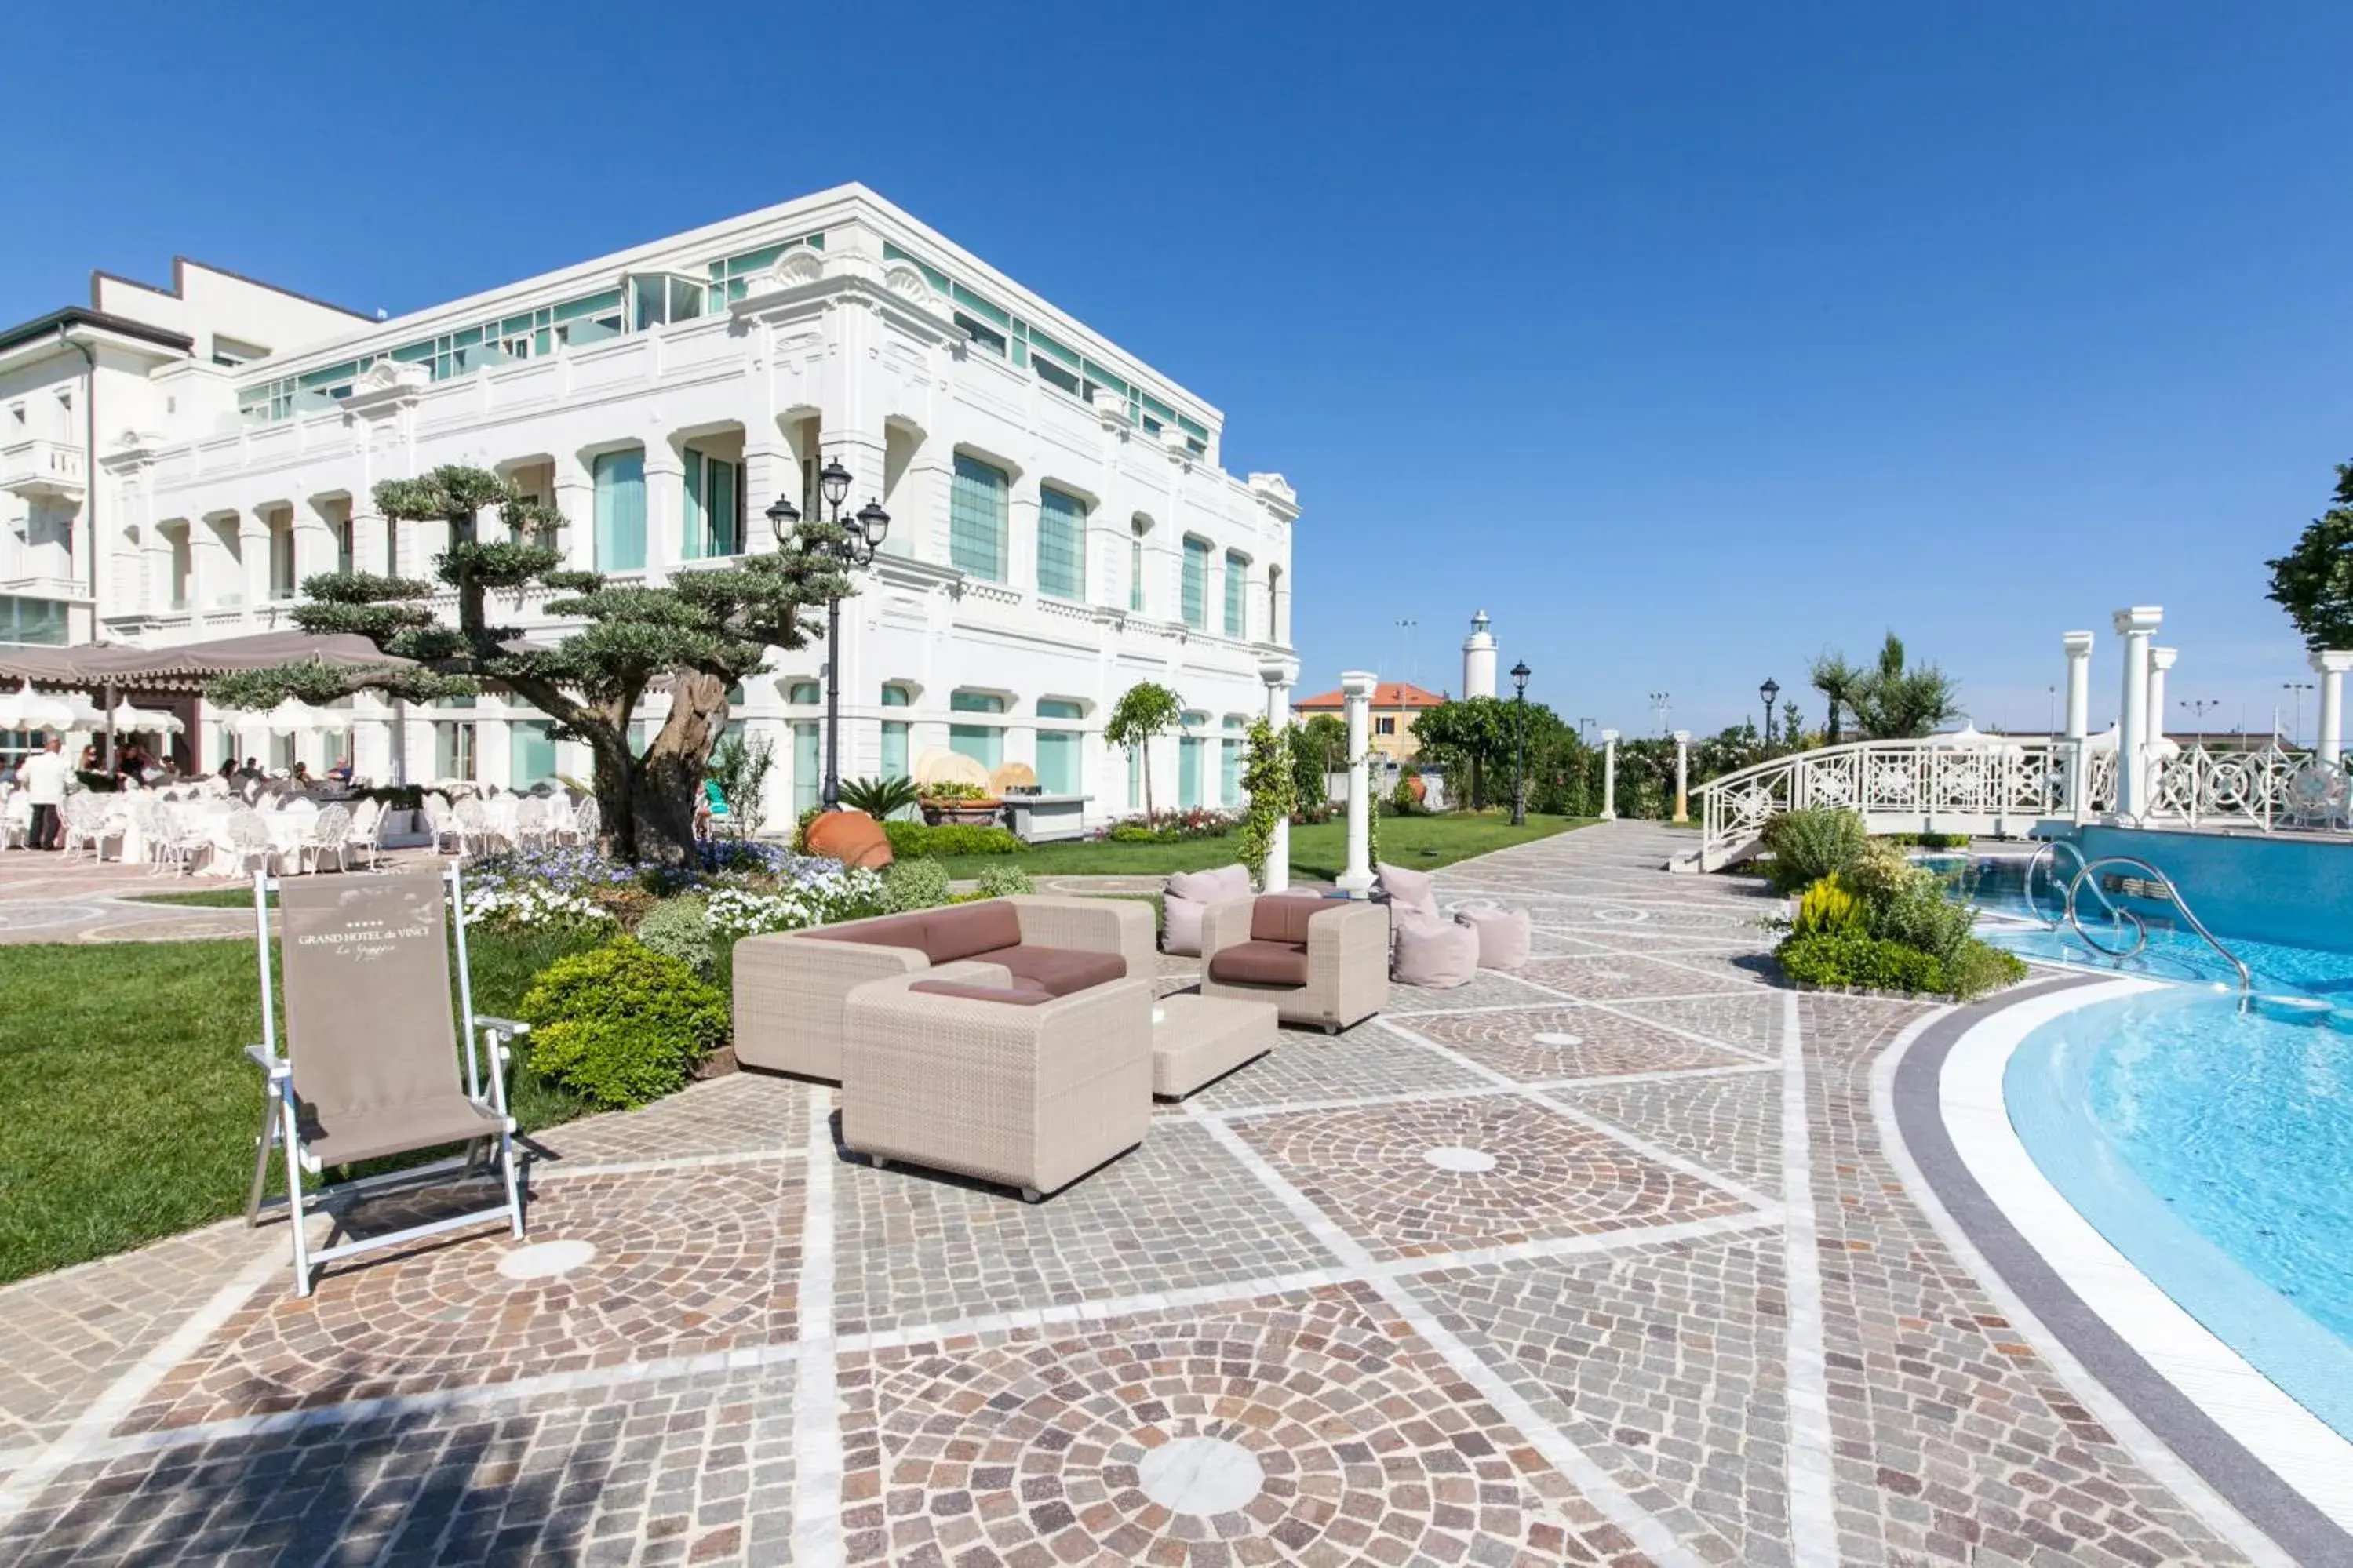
{"x": 15, "y": 821}
{"x": 365, "y": 837}
{"x": 585, "y": 822}
{"x": 328, "y": 830}
{"x": 379, "y": 1058}
{"x": 442, "y": 817}
{"x": 473, "y": 827}
{"x": 250, "y": 841}
{"x": 531, "y": 822}
{"x": 85, "y": 824}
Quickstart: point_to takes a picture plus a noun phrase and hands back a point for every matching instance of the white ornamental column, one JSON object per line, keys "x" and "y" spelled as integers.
{"x": 1682, "y": 776}
{"x": 1609, "y": 775}
{"x": 2331, "y": 668}
{"x": 2079, "y": 684}
{"x": 2135, "y": 625}
{"x": 2160, "y": 659}
{"x": 1277, "y": 674}
{"x": 1356, "y": 696}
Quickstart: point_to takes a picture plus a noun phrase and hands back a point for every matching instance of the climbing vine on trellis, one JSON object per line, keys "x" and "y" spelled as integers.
{"x": 1273, "y": 796}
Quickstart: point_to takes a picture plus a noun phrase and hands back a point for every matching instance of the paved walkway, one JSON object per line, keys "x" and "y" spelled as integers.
{"x": 1606, "y": 1261}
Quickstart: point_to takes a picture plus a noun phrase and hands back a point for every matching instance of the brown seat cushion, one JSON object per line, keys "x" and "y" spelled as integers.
{"x": 1060, "y": 970}
{"x": 1256, "y": 962}
{"x": 851, "y": 837}
{"x": 1283, "y": 917}
{"x": 1020, "y": 994}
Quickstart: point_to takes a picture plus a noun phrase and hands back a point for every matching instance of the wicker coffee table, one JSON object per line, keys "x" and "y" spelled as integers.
{"x": 1198, "y": 1039}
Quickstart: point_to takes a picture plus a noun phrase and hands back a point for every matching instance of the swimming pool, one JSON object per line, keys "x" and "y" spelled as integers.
{"x": 2210, "y": 1138}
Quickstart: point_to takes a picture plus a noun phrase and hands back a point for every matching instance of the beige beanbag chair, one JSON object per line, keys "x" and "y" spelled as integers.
{"x": 1431, "y": 952}
{"x": 1503, "y": 934}
{"x": 1187, "y": 893}
{"x": 1412, "y": 890}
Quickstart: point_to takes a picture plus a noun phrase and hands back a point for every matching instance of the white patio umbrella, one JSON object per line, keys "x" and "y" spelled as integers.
{"x": 26, "y": 709}
{"x": 292, "y": 716}
{"x": 143, "y": 720}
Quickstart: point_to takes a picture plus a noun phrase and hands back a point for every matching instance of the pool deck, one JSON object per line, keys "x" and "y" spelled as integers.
{"x": 1672, "y": 1290}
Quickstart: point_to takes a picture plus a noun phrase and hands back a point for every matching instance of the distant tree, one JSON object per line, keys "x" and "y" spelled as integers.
{"x": 706, "y": 632}
{"x": 1327, "y": 734}
{"x": 1146, "y": 711}
{"x": 2313, "y": 582}
{"x": 1839, "y": 683}
{"x": 1470, "y": 736}
{"x": 1897, "y": 701}
{"x": 1311, "y": 765}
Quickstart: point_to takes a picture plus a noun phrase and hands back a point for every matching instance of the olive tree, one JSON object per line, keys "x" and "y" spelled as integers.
{"x": 705, "y": 632}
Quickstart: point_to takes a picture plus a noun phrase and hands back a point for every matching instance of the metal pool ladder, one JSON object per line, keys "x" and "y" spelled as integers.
{"x": 2072, "y": 918}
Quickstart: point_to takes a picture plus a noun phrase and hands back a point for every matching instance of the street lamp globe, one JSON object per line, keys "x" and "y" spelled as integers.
{"x": 834, "y": 480}
{"x": 875, "y": 523}
{"x": 1769, "y": 691}
{"x": 1520, "y": 673}
{"x": 783, "y": 518}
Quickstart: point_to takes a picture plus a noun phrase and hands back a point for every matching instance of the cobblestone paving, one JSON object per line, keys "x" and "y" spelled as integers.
{"x": 1507, "y": 1277}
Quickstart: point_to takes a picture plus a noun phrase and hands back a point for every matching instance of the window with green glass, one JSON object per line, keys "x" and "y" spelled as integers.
{"x": 1136, "y": 567}
{"x": 1196, "y": 582}
{"x": 1230, "y": 771}
{"x": 714, "y": 506}
{"x": 620, "y": 489}
{"x": 1135, "y": 780}
{"x": 40, "y": 622}
{"x": 976, "y": 519}
{"x": 803, "y": 691}
{"x": 531, "y": 753}
{"x": 1237, "y": 580}
{"x": 1061, "y": 545}
{"x": 453, "y": 748}
{"x": 807, "y": 785}
{"x": 894, "y": 735}
{"x": 983, "y": 743}
{"x": 1188, "y": 770}
{"x": 1059, "y": 751}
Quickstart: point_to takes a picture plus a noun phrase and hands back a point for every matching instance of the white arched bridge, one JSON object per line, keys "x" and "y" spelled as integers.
{"x": 1998, "y": 786}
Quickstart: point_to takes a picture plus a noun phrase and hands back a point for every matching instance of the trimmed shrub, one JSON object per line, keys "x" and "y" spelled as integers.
{"x": 1827, "y": 959}
{"x": 621, "y": 1025}
{"x": 1806, "y": 845}
{"x": 1918, "y": 914}
{"x": 913, "y": 885}
{"x": 679, "y": 928}
{"x": 1979, "y": 967}
{"x": 914, "y": 840}
{"x": 1879, "y": 872}
{"x": 1003, "y": 882}
{"x": 1826, "y": 906}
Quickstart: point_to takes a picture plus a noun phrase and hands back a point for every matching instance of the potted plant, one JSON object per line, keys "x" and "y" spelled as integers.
{"x": 958, "y": 802}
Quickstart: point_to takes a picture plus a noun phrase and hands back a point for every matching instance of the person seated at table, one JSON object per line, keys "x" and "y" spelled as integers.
{"x": 251, "y": 773}
{"x": 88, "y": 763}
{"x": 342, "y": 772}
{"x": 302, "y": 776}
{"x": 228, "y": 770}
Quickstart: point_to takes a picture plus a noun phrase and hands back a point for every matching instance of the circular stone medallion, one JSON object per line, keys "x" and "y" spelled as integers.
{"x": 1200, "y": 1475}
{"x": 1469, "y": 1161}
{"x": 547, "y": 1259}
{"x": 1560, "y": 1039}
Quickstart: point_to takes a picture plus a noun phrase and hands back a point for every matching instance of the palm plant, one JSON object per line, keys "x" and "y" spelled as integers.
{"x": 877, "y": 798}
{"x": 1839, "y": 683}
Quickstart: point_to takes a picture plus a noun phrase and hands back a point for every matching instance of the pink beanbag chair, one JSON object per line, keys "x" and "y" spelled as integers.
{"x": 1187, "y": 893}
{"x": 1503, "y": 934}
{"x": 1414, "y": 889}
{"x": 1432, "y": 952}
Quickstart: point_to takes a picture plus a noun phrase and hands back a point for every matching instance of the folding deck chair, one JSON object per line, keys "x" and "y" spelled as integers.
{"x": 374, "y": 1046}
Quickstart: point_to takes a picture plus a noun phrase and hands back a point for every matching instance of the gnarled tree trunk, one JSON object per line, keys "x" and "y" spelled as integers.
{"x": 649, "y": 802}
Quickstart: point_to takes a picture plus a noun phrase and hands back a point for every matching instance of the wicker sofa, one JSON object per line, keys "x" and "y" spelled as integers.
{"x": 1320, "y": 961}
{"x": 790, "y": 988}
{"x": 966, "y": 1067}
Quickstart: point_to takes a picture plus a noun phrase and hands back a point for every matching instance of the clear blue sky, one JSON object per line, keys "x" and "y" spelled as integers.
{"x": 1689, "y": 342}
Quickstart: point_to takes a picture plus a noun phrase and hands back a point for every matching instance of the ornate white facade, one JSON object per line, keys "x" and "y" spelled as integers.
{"x": 1061, "y": 527}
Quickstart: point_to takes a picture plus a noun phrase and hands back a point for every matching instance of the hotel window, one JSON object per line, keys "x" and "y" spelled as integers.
{"x": 1197, "y": 583}
{"x": 620, "y": 484}
{"x": 1059, "y": 749}
{"x": 1385, "y": 725}
{"x": 1189, "y": 761}
{"x": 714, "y": 506}
{"x": 802, "y": 692}
{"x": 40, "y": 623}
{"x": 894, "y": 735}
{"x": 1230, "y": 776}
{"x": 1135, "y": 780}
{"x": 282, "y": 558}
{"x": 530, "y": 753}
{"x": 1137, "y": 530}
{"x": 453, "y": 748}
{"x": 976, "y": 525}
{"x": 183, "y": 564}
{"x": 663, "y": 299}
{"x": 1237, "y": 580}
{"x": 342, "y": 528}
{"x": 808, "y": 786}
{"x": 1061, "y": 545}
{"x": 983, "y": 743}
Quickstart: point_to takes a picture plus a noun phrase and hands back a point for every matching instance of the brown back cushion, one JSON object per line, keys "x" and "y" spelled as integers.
{"x": 890, "y": 930}
{"x": 1021, "y": 994}
{"x": 1283, "y": 917}
{"x": 961, "y": 930}
{"x": 851, "y": 837}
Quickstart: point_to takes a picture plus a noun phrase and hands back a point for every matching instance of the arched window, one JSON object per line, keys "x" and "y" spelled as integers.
{"x": 984, "y": 742}
{"x": 1060, "y": 741}
{"x": 977, "y": 526}
{"x": 1196, "y": 582}
{"x": 1237, "y": 580}
{"x": 1061, "y": 544}
{"x": 894, "y": 735}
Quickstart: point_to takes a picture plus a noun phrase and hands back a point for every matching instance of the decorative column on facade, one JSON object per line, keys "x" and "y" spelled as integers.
{"x": 2160, "y": 660}
{"x": 1682, "y": 776}
{"x": 1609, "y": 775}
{"x": 1357, "y": 698}
{"x": 575, "y": 497}
{"x": 1277, "y": 674}
{"x": 2135, "y": 625}
{"x": 253, "y": 555}
{"x": 664, "y": 481}
{"x": 2331, "y": 666}
{"x": 2079, "y": 715}
{"x": 314, "y": 543}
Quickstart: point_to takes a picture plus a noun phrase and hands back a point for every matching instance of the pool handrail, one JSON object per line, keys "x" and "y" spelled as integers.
{"x": 2140, "y": 927}
{"x": 2049, "y": 849}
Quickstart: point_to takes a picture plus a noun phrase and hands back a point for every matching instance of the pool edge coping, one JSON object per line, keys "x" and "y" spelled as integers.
{"x": 2239, "y": 1491}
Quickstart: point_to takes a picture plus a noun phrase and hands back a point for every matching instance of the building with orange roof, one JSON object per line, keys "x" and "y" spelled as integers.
{"x": 1394, "y": 705}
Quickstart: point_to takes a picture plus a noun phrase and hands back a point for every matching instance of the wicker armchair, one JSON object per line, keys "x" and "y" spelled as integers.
{"x": 1032, "y": 1095}
{"x": 1320, "y": 961}
{"x": 790, "y": 988}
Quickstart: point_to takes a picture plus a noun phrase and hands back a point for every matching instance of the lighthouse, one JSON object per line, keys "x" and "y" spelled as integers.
{"x": 1479, "y": 659}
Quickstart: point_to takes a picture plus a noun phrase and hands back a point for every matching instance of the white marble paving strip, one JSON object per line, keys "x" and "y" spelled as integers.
{"x": 816, "y": 1390}
{"x": 1813, "y": 1522}
{"x": 2151, "y": 1452}
{"x": 89, "y": 1431}
{"x": 1600, "y": 1488}
{"x": 1616, "y": 1007}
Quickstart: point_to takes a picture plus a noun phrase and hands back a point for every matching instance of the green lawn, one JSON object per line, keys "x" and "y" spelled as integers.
{"x": 127, "y": 1107}
{"x": 1318, "y": 853}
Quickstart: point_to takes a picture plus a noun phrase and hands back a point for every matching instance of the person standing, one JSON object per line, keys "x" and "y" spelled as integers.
{"x": 43, "y": 775}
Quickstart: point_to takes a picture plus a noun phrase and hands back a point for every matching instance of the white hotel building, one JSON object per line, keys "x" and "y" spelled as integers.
{"x": 1061, "y": 527}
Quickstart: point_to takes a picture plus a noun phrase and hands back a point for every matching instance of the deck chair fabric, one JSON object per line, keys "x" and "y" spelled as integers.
{"x": 374, "y": 1043}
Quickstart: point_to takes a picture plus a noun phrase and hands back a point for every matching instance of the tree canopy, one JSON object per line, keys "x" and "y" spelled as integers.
{"x": 2314, "y": 580}
{"x": 1473, "y": 736}
{"x": 1891, "y": 700}
{"x": 703, "y": 633}
{"x": 1144, "y": 712}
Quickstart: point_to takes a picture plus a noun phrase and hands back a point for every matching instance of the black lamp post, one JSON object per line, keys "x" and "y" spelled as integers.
{"x": 854, "y": 549}
{"x": 1769, "y": 691}
{"x": 1520, "y": 743}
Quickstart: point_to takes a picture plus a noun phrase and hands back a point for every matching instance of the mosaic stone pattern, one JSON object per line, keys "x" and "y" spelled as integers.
{"x": 1547, "y": 1045}
{"x": 1730, "y": 1124}
{"x": 741, "y": 1113}
{"x": 1610, "y": 977}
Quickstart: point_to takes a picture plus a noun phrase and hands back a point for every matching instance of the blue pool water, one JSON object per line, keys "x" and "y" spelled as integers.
{"x": 2210, "y": 1138}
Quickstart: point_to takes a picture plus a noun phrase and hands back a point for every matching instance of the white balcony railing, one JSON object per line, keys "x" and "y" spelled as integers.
{"x": 44, "y": 470}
